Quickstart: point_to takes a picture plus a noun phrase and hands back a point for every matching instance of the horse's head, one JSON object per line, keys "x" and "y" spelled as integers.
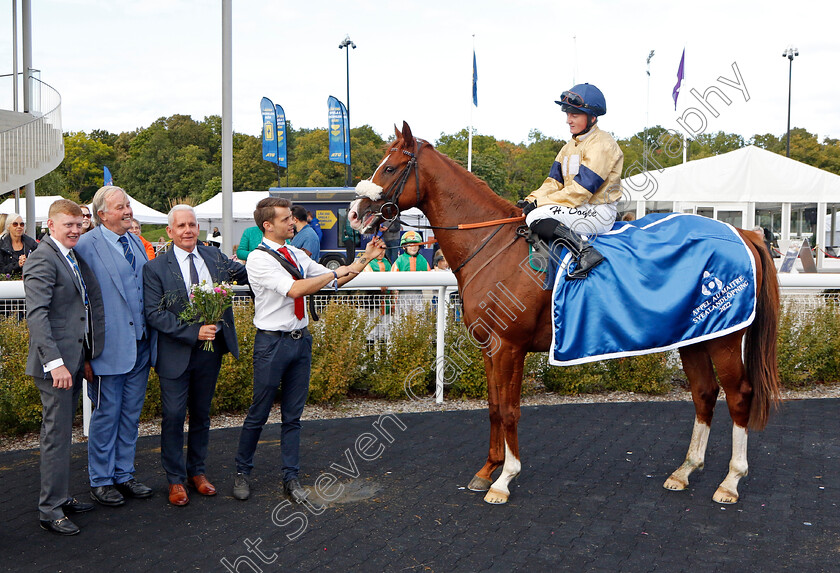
{"x": 392, "y": 187}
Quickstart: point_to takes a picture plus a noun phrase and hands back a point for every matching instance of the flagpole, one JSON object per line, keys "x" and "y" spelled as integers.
{"x": 469, "y": 144}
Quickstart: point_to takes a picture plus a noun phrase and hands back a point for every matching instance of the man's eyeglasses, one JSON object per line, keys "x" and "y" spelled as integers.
{"x": 17, "y": 224}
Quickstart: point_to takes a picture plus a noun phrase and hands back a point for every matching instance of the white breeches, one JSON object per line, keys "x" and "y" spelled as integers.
{"x": 586, "y": 220}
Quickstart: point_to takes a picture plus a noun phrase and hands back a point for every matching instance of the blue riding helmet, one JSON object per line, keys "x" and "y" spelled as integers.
{"x": 583, "y": 98}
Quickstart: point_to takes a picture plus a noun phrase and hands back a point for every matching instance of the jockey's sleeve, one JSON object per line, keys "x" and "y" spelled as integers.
{"x": 552, "y": 184}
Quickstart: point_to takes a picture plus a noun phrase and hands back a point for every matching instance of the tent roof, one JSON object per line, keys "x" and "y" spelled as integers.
{"x": 749, "y": 174}
{"x": 244, "y": 203}
{"x": 142, "y": 213}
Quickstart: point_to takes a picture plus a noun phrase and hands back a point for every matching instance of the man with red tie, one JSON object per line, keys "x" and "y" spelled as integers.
{"x": 281, "y": 276}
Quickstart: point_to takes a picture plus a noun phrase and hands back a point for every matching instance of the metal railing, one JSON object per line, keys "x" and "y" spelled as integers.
{"x": 35, "y": 147}
{"x": 437, "y": 292}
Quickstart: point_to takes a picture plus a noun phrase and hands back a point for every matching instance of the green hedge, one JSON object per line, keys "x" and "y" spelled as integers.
{"x": 345, "y": 362}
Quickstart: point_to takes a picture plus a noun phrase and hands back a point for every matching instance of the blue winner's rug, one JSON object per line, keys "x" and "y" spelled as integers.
{"x": 668, "y": 280}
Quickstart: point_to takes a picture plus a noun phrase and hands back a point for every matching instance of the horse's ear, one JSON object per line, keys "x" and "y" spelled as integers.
{"x": 406, "y": 135}
{"x": 397, "y": 133}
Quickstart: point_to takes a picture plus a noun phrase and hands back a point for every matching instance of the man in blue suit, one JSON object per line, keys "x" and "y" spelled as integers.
{"x": 121, "y": 371}
{"x": 187, "y": 372}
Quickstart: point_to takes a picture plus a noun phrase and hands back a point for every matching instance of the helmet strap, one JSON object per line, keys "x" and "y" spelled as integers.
{"x": 590, "y": 121}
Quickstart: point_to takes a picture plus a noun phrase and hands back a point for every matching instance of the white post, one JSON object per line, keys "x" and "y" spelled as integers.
{"x": 15, "y": 105}
{"x": 227, "y": 128}
{"x": 440, "y": 369}
{"x": 820, "y": 234}
{"x": 785, "y": 232}
{"x": 86, "y": 409}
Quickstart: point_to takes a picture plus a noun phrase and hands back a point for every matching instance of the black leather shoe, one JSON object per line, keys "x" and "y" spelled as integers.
{"x": 61, "y": 526}
{"x": 76, "y": 506}
{"x": 107, "y": 495}
{"x": 135, "y": 489}
{"x": 294, "y": 490}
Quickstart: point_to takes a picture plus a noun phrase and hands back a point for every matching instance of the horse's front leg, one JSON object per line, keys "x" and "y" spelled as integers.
{"x": 496, "y": 455}
{"x": 508, "y": 366}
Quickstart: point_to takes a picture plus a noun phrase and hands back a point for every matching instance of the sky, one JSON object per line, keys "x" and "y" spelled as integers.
{"x": 119, "y": 65}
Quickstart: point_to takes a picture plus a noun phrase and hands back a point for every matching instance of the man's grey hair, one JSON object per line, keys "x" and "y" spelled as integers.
{"x": 99, "y": 201}
{"x": 180, "y": 207}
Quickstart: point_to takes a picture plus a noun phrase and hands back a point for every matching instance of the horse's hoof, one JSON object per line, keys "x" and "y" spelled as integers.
{"x": 675, "y": 484}
{"x": 478, "y": 484}
{"x": 496, "y": 497}
{"x": 723, "y": 495}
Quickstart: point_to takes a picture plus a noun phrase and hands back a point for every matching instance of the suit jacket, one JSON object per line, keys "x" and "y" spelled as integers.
{"x": 165, "y": 296}
{"x": 55, "y": 310}
{"x": 118, "y": 356}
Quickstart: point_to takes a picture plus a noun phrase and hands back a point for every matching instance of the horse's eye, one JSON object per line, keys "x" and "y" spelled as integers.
{"x": 389, "y": 169}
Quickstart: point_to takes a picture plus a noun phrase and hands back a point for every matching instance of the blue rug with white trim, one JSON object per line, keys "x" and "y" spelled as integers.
{"x": 668, "y": 280}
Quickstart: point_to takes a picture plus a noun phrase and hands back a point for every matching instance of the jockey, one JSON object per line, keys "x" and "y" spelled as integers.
{"x": 411, "y": 259}
{"x": 577, "y": 199}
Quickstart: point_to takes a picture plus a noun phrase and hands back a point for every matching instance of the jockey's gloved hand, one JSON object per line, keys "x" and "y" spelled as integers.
{"x": 526, "y": 206}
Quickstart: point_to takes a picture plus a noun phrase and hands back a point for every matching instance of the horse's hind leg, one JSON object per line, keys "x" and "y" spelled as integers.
{"x": 726, "y": 355}
{"x": 704, "y": 391}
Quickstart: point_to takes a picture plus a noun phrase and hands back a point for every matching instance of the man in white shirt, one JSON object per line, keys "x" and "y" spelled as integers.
{"x": 281, "y": 276}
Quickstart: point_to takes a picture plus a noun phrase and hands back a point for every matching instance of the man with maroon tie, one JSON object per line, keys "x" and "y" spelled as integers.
{"x": 281, "y": 276}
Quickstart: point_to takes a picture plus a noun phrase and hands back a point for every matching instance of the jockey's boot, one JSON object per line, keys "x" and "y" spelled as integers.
{"x": 586, "y": 256}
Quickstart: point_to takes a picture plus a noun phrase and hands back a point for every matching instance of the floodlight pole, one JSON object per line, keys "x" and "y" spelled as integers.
{"x": 789, "y": 53}
{"x": 348, "y": 43}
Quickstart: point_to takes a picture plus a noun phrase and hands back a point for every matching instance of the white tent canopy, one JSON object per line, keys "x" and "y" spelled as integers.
{"x": 749, "y": 174}
{"x": 142, "y": 213}
{"x": 244, "y": 204}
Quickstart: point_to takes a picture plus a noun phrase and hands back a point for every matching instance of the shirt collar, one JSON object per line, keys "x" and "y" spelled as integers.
{"x": 64, "y": 250}
{"x": 271, "y": 244}
{"x": 110, "y": 235}
{"x": 181, "y": 254}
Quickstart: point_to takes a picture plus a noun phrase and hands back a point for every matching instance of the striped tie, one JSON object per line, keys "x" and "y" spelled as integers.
{"x": 72, "y": 258}
{"x": 129, "y": 256}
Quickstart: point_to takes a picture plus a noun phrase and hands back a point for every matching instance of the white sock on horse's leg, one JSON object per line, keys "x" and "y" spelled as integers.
{"x": 727, "y": 492}
{"x": 499, "y": 492}
{"x": 694, "y": 459}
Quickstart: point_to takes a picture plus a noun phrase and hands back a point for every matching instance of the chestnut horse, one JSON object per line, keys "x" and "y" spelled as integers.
{"x": 510, "y": 315}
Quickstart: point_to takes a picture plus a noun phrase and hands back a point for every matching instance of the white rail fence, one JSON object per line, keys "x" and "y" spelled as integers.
{"x": 804, "y": 293}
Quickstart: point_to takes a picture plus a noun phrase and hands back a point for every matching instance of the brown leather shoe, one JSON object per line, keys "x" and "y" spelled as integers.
{"x": 178, "y": 494}
{"x": 202, "y": 484}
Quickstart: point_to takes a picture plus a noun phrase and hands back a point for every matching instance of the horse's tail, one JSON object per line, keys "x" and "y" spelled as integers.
{"x": 761, "y": 365}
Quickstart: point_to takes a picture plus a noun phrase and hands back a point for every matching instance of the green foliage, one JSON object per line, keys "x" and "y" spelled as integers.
{"x": 809, "y": 350}
{"x": 20, "y": 399}
{"x": 579, "y": 379}
{"x": 464, "y": 375}
{"x": 235, "y": 387}
{"x": 338, "y": 351}
{"x": 406, "y": 361}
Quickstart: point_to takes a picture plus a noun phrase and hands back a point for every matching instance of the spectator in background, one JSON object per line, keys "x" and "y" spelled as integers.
{"x": 251, "y": 239}
{"x": 135, "y": 228}
{"x": 628, "y": 216}
{"x": 350, "y": 239}
{"x": 440, "y": 263}
{"x": 216, "y": 232}
{"x": 315, "y": 224}
{"x": 391, "y": 236}
{"x": 87, "y": 224}
{"x": 305, "y": 237}
{"x": 3, "y": 217}
{"x": 15, "y": 246}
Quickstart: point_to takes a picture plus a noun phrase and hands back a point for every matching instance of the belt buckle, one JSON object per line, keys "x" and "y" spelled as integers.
{"x": 295, "y": 334}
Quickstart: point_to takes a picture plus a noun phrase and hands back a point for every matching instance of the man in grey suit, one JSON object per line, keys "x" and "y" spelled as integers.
{"x": 187, "y": 372}
{"x": 66, "y": 329}
{"x": 121, "y": 371}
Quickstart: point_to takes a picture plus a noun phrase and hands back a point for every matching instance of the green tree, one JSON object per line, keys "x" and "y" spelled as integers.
{"x": 81, "y": 169}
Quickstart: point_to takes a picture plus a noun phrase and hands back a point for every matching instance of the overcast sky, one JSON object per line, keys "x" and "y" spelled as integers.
{"x": 120, "y": 65}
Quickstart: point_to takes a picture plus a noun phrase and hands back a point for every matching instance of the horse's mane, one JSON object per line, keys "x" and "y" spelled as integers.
{"x": 485, "y": 193}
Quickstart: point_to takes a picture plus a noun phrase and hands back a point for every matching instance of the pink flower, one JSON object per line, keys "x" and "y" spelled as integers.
{"x": 192, "y": 296}
{"x": 217, "y": 290}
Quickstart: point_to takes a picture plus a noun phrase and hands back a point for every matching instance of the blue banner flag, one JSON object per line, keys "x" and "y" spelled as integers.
{"x": 106, "y": 176}
{"x": 680, "y": 74}
{"x": 269, "y": 137}
{"x": 338, "y": 131}
{"x": 281, "y": 136}
{"x": 475, "y": 82}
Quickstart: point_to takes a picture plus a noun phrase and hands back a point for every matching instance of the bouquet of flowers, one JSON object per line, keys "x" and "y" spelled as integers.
{"x": 208, "y": 302}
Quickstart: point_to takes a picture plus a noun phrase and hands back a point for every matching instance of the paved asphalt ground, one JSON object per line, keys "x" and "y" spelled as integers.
{"x": 590, "y": 498}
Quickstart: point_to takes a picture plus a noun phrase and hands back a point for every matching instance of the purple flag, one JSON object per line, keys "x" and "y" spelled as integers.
{"x": 680, "y": 74}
